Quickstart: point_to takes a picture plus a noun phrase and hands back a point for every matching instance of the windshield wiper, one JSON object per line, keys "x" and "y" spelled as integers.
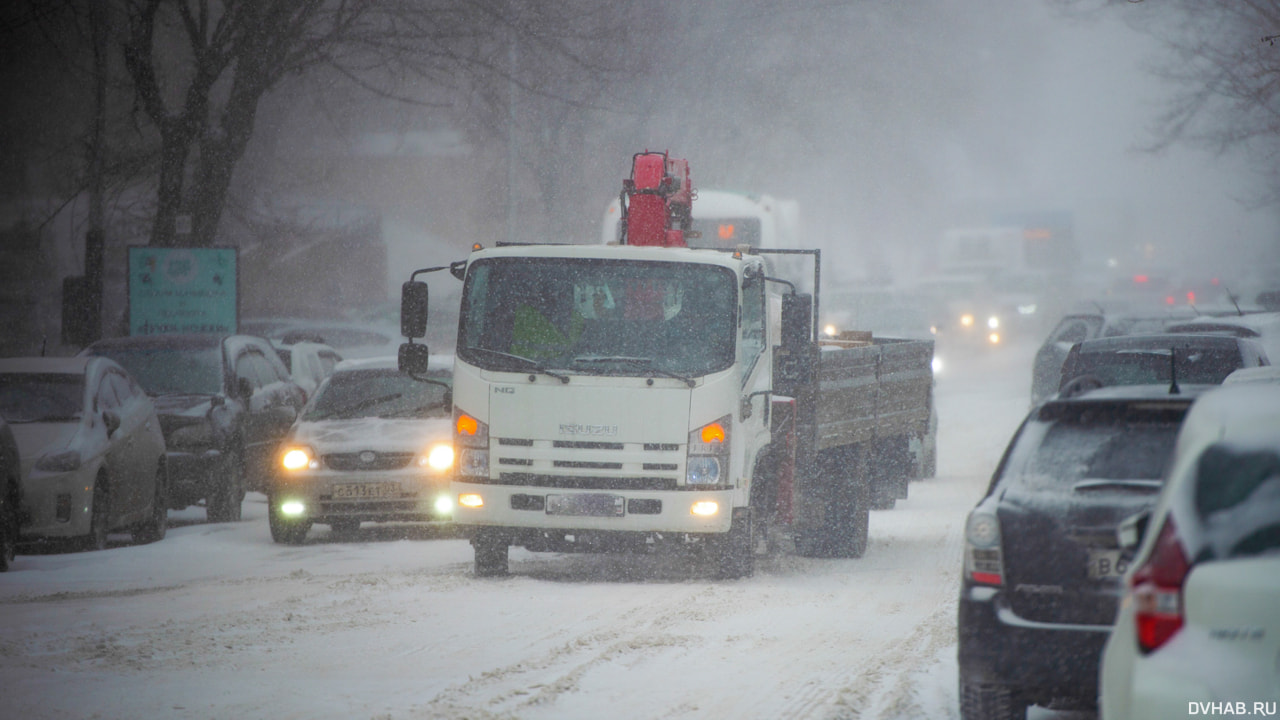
{"x": 643, "y": 362}
{"x": 344, "y": 412}
{"x": 533, "y": 364}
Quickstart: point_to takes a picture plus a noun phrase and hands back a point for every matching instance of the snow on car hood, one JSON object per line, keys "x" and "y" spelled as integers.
{"x": 378, "y": 434}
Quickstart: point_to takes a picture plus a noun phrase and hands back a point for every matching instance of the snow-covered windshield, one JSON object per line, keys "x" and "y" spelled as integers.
{"x": 1057, "y": 454}
{"x": 41, "y": 397}
{"x": 598, "y": 316}
{"x": 1237, "y": 498}
{"x": 385, "y": 393}
{"x": 173, "y": 370}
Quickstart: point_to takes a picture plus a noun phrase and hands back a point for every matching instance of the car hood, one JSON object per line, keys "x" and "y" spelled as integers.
{"x": 378, "y": 434}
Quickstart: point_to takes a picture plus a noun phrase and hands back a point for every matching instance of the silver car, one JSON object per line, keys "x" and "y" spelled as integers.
{"x": 374, "y": 444}
{"x": 93, "y": 456}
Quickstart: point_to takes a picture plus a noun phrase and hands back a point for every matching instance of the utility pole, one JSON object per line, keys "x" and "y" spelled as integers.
{"x": 512, "y": 59}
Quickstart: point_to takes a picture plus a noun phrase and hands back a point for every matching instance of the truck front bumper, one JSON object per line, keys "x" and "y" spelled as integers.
{"x": 629, "y": 511}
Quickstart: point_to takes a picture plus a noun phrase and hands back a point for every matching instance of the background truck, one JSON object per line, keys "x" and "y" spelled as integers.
{"x": 642, "y": 395}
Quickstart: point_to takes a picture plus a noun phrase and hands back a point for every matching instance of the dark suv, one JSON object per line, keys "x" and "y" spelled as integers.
{"x": 1042, "y": 566}
{"x": 224, "y": 401}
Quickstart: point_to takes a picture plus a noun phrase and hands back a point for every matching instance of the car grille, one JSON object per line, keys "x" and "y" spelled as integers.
{"x": 352, "y": 462}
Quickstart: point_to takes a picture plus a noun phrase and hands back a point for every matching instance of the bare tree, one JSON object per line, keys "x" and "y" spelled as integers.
{"x": 1223, "y": 65}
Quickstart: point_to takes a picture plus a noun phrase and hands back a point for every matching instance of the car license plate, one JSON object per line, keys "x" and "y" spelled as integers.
{"x": 363, "y": 491}
{"x": 586, "y": 505}
{"x": 1104, "y": 564}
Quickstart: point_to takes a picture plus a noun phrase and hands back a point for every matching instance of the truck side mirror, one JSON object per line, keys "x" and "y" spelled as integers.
{"x": 797, "y": 321}
{"x": 413, "y": 358}
{"x": 413, "y": 309}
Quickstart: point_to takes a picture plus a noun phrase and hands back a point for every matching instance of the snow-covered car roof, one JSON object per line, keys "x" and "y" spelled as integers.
{"x": 1266, "y": 373}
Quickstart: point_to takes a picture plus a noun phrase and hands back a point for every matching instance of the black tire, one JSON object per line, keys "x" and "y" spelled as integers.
{"x": 344, "y": 526}
{"x": 226, "y": 496}
{"x": 99, "y": 516}
{"x": 491, "y": 557}
{"x": 734, "y": 554}
{"x": 10, "y": 526}
{"x": 285, "y": 530}
{"x": 991, "y": 702}
{"x": 153, "y": 529}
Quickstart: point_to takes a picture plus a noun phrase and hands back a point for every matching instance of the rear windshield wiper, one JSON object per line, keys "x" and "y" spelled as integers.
{"x": 643, "y": 362}
{"x": 530, "y": 362}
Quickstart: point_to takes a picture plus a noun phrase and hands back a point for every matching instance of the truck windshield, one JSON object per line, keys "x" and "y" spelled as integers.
{"x": 594, "y": 316}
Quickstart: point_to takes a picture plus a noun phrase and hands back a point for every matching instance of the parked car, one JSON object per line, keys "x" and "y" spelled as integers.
{"x": 1200, "y": 618}
{"x": 1042, "y": 569}
{"x": 373, "y": 445}
{"x": 1097, "y": 322}
{"x": 225, "y": 402}
{"x": 10, "y": 496}
{"x": 93, "y": 457}
{"x": 1152, "y": 359}
{"x": 308, "y": 363}
{"x": 1262, "y": 328}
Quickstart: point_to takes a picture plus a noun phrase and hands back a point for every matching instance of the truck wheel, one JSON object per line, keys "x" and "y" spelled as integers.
{"x": 734, "y": 554}
{"x": 990, "y": 702}
{"x": 845, "y": 530}
{"x": 490, "y": 555}
{"x": 285, "y": 530}
{"x": 153, "y": 529}
{"x": 224, "y": 501}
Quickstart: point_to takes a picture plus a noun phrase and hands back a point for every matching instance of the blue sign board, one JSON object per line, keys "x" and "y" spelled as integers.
{"x": 182, "y": 290}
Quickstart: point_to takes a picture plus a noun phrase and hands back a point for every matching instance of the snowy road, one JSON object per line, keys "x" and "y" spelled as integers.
{"x": 217, "y": 621}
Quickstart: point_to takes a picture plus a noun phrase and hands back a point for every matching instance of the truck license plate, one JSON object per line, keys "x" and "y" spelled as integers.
{"x": 586, "y": 505}
{"x": 361, "y": 491}
{"x": 1106, "y": 564}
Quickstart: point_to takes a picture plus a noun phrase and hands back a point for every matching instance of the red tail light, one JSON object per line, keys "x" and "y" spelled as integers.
{"x": 1156, "y": 588}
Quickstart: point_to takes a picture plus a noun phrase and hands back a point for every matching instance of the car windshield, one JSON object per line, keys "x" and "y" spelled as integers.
{"x": 41, "y": 397}
{"x": 578, "y": 315}
{"x": 172, "y": 370}
{"x": 384, "y": 393}
{"x": 1151, "y": 367}
{"x": 1099, "y": 445}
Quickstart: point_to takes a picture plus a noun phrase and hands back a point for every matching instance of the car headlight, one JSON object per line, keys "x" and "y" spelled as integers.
{"x": 440, "y": 457}
{"x": 65, "y": 461}
{"x": 299, "y": 457}
{"x": 993, "y": 322}
{"x": 830, "y": 330}
{"x": 966, "y": 320}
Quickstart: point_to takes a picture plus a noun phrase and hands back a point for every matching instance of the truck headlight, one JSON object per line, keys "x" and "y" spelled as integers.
{"x": 993, "y": 322}
{"x": 707, "y": 461}
{"x": 471, "y": 438}
{"x": 439, "y": 457}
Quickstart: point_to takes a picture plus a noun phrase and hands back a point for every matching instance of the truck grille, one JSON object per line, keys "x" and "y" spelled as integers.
{"x": 589, "y": 465}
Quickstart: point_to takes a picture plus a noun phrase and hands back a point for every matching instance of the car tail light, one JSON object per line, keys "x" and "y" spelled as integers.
{"x": 1156, "y": 589}
{"x": 983, "y": 563}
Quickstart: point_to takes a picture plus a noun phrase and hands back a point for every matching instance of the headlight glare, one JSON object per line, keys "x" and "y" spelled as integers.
{"x": 440, "y": 457}
{"x": 298, "y": 458}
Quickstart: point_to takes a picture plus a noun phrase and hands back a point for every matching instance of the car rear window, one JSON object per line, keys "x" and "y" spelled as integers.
{"x": 1237, "y": 500}
{"x": 1060, "y": 449}
{"x": 1151, "y": 367}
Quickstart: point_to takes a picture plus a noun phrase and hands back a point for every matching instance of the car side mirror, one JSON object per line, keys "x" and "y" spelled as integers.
{"x": 413, "y": 358}
{"x": 1131, "y": 530}
{"x": 413, "y": 309}
{"x": 111, "y": 419}
{"x": 244, "y": 388}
